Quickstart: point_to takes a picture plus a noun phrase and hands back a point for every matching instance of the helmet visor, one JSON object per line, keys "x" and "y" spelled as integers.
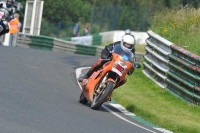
{"x": 127, "y": 45}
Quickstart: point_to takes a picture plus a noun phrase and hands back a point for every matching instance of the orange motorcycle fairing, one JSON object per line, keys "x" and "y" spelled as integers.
{"x": 92, "y": 81}
{"x": 98, "y": 88}
{"x": 98, "y": 62}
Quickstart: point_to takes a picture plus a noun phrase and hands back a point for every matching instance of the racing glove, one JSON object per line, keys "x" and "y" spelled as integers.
{"x": 106, "y": 53}
{"x": 109, "y": 47}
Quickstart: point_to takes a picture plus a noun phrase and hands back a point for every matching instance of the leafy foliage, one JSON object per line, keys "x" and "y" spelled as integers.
{"x": 179, "y": 26}
{"x": 66, "y": 11}
{"x": 133, "y": 14}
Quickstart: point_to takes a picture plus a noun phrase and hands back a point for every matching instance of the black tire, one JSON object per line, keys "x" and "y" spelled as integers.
{"x": 82, "y": 99}
{"x": 99, "y": 100}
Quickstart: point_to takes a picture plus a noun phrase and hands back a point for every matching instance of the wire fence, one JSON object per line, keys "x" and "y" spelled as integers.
{"x": 103, "y": 18}
{"x": 116, "y": 17}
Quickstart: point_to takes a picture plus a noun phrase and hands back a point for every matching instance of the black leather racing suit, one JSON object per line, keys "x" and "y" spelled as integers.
{"x": 6, "y": 16}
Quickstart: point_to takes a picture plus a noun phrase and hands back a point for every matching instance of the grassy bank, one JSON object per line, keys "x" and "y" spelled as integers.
{"x": 181, "y": 27}
{"x": 143, "y": 97}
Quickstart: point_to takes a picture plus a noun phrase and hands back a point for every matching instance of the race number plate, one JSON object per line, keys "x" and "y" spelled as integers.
{"x": 118, "y": 69}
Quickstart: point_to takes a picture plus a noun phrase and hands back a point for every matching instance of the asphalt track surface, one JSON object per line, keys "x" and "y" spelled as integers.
{"x": 39, "y": 94}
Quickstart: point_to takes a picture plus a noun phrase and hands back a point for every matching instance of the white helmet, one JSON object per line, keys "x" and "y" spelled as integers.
{"x": 127, "y": 43}
{"x": 127, "y": 32}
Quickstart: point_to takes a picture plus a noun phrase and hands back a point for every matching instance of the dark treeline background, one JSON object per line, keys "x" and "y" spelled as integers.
{"x": 59, "y": 16}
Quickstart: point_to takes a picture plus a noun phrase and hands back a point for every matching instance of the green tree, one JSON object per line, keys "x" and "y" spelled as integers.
{"x": 133, "y": 14}
{"x": 66, "y": 11}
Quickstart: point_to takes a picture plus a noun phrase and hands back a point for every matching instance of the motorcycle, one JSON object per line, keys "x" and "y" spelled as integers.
{"x": 98, "y": 88}
{"x": 1, "y": 20}
{"x": 5, "y": 17}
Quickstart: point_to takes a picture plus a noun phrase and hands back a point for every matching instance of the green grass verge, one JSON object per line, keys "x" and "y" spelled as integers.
{"x": 146, "y": 99}
{"x": 181, "y": 26}
{"x": 140, "y": 48}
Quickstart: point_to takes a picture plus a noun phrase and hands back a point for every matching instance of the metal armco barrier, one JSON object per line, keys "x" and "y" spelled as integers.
{"x": 185, "y": 70}
{"x": 37, "y": 42}
{"x": 94, "y": 39}
{"x": 168, "y": 65}
{"x": 172, "y": 68}
{"x": 55, "y": 44}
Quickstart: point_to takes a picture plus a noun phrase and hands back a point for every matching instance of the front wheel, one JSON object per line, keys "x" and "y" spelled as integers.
{"x": 82, "y": 99}
{"x": 101, "y": 97}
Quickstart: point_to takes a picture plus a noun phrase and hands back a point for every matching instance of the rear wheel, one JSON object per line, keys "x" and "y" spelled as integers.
{"x": 99, "y": 98}
{"x": 82, "y": 99}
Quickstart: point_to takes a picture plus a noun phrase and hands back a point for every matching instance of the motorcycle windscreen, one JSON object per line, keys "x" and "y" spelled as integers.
{"x": 126, "y": 56}
{"x": 119, "y": 68}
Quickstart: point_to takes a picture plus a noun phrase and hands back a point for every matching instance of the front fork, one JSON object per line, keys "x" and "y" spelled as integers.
{"x": 105, "y": 78}
{"x": 103, "y": 85}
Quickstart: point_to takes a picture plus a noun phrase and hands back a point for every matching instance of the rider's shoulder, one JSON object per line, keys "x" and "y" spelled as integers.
{"x": 117, "y": 42}
{"x": 114, "y": 43}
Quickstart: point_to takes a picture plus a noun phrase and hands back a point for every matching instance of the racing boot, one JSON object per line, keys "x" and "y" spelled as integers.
{"x": 87, "y": 75}
{"x": 95, "y": 67}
